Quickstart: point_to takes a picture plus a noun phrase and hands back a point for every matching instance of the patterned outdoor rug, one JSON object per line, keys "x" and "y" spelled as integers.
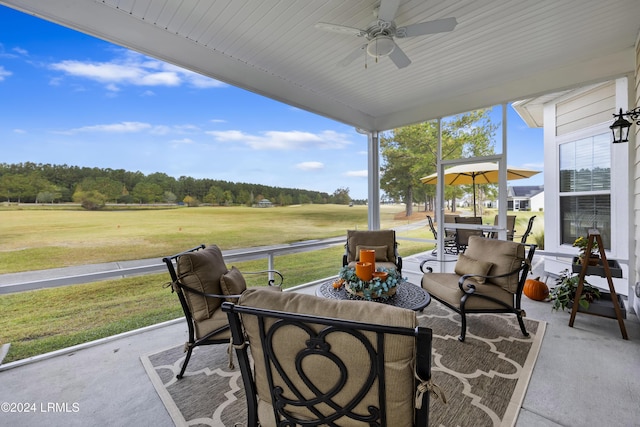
{"x": 484, "y": 379}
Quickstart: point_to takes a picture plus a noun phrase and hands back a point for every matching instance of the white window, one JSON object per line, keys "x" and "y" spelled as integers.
{"x": 585, "y": 188}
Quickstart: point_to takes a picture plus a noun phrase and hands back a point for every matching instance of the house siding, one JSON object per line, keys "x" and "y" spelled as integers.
{"x": 587, "y": 109}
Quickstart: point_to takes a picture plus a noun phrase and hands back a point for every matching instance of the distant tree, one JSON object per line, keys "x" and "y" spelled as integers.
{"x": 191, "y": 201}
{"x": 91, "y": 200}
{"x": 48, "y": 196}
{"x": 108, "y": 187}
{"x": 214, "y": 196}
{"x": 147, "y": 192}
{"x": 341, "y": 196}
{"x": 228, "y": 197}
{"x": 244, "y": 197}
{"x": 169, "y": 197}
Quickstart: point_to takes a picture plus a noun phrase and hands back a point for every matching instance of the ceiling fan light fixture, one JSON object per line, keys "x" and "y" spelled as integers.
{"x": 380, "y": 46}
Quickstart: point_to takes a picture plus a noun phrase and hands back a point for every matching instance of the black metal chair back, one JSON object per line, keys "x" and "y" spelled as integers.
{"x": 293, "y": 390}
{"x": 462, "y": 235}
{"x": 526, "y": 233}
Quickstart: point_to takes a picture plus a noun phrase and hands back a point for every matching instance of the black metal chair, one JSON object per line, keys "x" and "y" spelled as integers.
{"x": 327, "y": 362}
{"x": 488, "y": 278}
{"x": 450, "y": 246}
{"x": 462, "y": 235}
{"x": 511, "y": 227}
{"x": 196, "y": 278}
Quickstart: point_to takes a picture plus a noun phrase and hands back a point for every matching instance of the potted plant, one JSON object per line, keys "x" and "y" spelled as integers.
{"x": 592, "y": 257}
{"x": 563, "y": 294}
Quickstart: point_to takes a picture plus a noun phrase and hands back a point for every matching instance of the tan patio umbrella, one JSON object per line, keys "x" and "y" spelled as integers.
{"x": 477, "y": 173}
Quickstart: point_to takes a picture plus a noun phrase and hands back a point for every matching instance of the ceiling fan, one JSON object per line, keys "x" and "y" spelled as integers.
{"x": 380, "y": 34}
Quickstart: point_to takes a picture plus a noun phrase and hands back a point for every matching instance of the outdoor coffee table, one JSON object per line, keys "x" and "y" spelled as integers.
{"x": 407, "y": 295}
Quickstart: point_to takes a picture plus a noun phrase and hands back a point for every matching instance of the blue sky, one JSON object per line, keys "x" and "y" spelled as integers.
{"x": 68, "y": 98}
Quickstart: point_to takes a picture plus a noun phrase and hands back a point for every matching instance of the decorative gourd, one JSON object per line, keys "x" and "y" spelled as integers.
{"x": 536, "y": 289}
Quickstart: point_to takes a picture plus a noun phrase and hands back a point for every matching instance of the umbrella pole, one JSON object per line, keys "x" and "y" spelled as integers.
{"x": 474, "y": 194}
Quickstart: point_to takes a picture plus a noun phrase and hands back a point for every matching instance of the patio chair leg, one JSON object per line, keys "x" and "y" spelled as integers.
{"x": 463, "y": 331}
{"x": 521, "y": 323}
{"x": 184, "y": 365}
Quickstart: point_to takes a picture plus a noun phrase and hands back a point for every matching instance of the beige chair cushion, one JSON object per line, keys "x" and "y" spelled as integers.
{"x": 201, "y": 270}
{"x": 217, "y": 320}
{"x": 381, "y": 252}
{"x": 506, "y": 256}
{"x": 399, "y": 351}
{"x": 371, "y": 238}
{"x": 445, "y": 287}
{"x": 468, "y": 265}
{"x": 233, "y": 283}
{"x": 387, "y": 265}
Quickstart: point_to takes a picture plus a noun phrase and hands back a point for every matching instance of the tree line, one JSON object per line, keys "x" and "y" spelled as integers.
{"x": 95, "y": 187}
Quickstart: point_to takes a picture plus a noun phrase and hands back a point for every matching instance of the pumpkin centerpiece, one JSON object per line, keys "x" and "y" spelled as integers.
{"x": 536, "y": 289}
{"x": 380, "y": 286}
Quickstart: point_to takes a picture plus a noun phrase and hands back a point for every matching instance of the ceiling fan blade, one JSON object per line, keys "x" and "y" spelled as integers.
{"x": 388, "y": 9}
{"x": 428, "y": 27}
{"x": 353, "y": 56}
{"x": 399, "y": 57}
{"x": 340, "y": 29}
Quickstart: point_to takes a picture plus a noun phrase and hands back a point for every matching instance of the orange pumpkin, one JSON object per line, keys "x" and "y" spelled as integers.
{"x": 536, "y": 289}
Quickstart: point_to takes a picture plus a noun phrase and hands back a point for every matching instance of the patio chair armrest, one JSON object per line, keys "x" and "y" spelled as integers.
{"x": 429, "y": 269}
{"x": 271, "y": 281}
{"x": 204, "y": 294}
{"x": 471, "y": 286}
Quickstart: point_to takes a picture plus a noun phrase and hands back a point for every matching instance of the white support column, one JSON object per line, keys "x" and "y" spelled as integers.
{"x": 374, "y": 181}
{"x": 440, "y": 196}
{"x": 502, "y": 179}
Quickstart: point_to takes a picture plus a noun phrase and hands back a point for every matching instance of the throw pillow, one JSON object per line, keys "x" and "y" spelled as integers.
{"x": 467, "y": 265}
{"x": 381, "y": 252}
{"x": 233, "y": 283}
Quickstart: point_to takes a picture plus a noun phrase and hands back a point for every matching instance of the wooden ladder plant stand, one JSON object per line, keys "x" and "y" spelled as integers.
{"x": 594, "y": 235}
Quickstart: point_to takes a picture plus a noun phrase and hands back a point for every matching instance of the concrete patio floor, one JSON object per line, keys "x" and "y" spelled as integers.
{"x": 584, "y": 376}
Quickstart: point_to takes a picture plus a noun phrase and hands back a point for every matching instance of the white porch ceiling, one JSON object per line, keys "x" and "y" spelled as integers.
{"x": 500, "y": 51}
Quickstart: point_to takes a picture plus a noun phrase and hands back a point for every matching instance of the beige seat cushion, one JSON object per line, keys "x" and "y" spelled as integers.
{"x": 445, "y": 287}
{"x": 370, "y": 238}
{"x": 201, "y": 270}
{"x": 217, "y": 320}
{"x": 399, "y": 351}
{"x": 506, "y": 256}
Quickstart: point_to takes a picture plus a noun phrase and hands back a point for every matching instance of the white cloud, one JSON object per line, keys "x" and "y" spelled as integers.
{"x": 182, "y": 141}
{"x": 134, "y": 69}
{"x": 310, "y": 166}
{"x": 358, "y": 174}
{"x": 21, "y": 131}
{"x": 123, "y": 127}
{"x": 278, "y": 140}
{"x": 20, "y": 51}
{"x": 134, "y": 127}
{"x": 4, "y": 73}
